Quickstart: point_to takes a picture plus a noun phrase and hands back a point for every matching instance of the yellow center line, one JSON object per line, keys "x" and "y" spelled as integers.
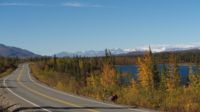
{"x": 46, "y": 96}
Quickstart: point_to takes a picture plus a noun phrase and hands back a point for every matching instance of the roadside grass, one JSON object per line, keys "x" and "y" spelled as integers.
{"x": 5, "y": 104}
{"x": 7, "y": 72}
{"x": 53, "y": 79}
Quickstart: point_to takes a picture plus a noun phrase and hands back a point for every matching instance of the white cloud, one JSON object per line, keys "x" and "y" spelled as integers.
{"x": 67, "y": 4}
{"x": 20, "y": 4}
{"x": 78, "y": 4}
{"x": 70, "y": 4}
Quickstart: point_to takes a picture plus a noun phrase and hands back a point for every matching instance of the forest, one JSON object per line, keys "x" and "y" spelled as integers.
{"x": 7, "y": 65}
{"x": 97, "y": 77}
{"x": 187, "y": 56}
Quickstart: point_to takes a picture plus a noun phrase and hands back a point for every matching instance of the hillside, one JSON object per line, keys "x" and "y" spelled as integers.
{"x": 8, "y": 51}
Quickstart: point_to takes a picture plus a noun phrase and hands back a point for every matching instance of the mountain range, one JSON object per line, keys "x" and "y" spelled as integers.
{"x": 8, "y": 51}
{"x": 139, "y": 50}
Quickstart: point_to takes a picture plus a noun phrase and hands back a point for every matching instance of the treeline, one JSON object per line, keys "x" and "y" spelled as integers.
{"x": 98, "y": 78}
{"x": 188, "y": 56}
{"x": 8, "y": 64}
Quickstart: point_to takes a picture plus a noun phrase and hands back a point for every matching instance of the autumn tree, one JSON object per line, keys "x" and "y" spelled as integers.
{"x": 109, "y": 79}
{"x": 130, "y": 95}
{"x": 94, "y": 87}
{"x": 173, "y": 80}
{"x": 148, "y": 73}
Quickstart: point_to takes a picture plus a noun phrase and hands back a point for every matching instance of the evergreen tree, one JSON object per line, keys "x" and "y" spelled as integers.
{"x": 163, "y": 79}
{"x": 54, "y": 62}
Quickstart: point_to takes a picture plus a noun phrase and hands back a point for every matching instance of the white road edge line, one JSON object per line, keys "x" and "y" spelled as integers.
{"x": 4, "y": 83}
{"x": 73, "y": 95}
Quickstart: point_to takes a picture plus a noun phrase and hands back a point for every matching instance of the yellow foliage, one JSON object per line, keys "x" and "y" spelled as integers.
{"x": 145, "y": 72}
{"x": 173, "y": 81}
{"x": 92, "y": 81}
{"x": 132, "y": 94}
{"x": 109, "y": 77}
{"x": 170, "y": 85}
{"x": 60, "y": 86}
{"x": 141, "y": 93}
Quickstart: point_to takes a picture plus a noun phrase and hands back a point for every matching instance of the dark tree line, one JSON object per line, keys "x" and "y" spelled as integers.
{"x": 8, "y": 63}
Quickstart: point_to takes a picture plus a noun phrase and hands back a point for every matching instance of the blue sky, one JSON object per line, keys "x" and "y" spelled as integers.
{"x": 51, "y": 26}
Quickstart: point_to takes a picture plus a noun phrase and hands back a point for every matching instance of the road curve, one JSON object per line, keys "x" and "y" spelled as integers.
{"x": 34, "y": 96}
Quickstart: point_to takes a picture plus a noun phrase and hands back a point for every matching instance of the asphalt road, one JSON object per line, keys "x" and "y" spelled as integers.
{"x": 35, "y": 96}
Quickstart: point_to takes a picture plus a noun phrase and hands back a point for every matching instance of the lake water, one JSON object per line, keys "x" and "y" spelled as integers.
{"x": 133, "y": 69}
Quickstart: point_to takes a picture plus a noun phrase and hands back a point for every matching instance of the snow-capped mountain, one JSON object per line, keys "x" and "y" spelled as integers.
{"x": 91, "y": 53}
{"x": 165, "y": 48}
{"x": 118, "y": 51}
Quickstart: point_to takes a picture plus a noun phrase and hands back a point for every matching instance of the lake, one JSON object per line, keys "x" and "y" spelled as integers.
{"x": 133, "y": 69}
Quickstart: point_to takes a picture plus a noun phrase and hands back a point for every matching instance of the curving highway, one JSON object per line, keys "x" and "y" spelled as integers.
{"x": 34, "y": 96}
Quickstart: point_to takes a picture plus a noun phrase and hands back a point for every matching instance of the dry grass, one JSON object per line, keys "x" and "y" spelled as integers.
{"x": 6, "y": 105}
